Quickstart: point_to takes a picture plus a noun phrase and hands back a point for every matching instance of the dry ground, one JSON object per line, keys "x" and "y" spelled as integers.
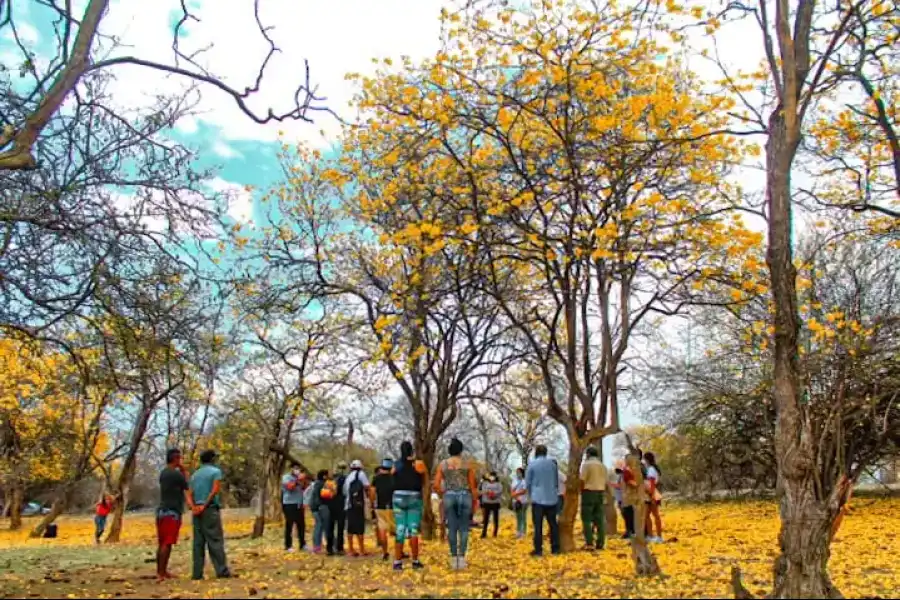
{"x": 702, "y": 542}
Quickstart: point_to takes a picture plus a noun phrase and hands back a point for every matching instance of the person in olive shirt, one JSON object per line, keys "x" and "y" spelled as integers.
{"x": 173, "y": 493}
{"x": 593, "y": 492}
{"x": 206, "y": 483}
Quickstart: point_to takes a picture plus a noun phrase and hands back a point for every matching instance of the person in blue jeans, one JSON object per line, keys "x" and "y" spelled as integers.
{"x": 520, "y": 502}
{"x": 455, "y": 481}
{"x": 542, "y": 485}
{"x": 320, "y": 511}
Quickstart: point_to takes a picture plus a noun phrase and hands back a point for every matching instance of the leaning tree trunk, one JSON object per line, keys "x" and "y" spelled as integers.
{"x": 570, "y": 506}
{"x": 16, "y": 499}
{"x": 644, "y": 561}
{"x": 117, "y": 524}
{"x": 59, "y": 505}
{"x": 123, "y": 485}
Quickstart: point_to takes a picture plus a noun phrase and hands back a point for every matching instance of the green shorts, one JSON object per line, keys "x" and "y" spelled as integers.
{"x": 407, "y": 514}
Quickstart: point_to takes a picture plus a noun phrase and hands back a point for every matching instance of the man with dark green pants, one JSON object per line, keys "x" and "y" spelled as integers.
{"x": 593, "y": 485}
{"x": 206, "y": 483}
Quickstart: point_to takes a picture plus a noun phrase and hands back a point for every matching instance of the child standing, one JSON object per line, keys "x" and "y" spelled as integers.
{"x": 104, "y": 507}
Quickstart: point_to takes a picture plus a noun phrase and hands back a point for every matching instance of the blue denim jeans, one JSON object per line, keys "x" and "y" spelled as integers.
{"x": 323, "y": 523}
{"x": 521, "y": 521}
{"x": 458, "y": 510}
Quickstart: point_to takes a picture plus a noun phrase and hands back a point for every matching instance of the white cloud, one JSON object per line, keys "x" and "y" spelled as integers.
{"x": 187, "y": 125}
{"x": 224, "y": 150}
{"x": 240, "y": 201}
{"x": 27, "y": 33}
{"x": 336, "y": 38}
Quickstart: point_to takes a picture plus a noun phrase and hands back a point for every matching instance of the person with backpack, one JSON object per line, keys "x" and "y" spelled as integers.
{"x": 356, "y": 486}
{"x": 320, "y": 505}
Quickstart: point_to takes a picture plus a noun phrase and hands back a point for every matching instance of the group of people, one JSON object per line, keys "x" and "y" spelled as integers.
{"x": 338, "y": 502}
{"x": 543, "y": 485}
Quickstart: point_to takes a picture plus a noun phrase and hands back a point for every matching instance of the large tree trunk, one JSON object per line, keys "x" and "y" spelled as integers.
{"x": 123, "y": 485}
{"x": 612, "y": 513}
{"x": 644, "y": 561}
{"x": 801, "y": 568}
{"x": 263, "y": 485}
{"x": 425, "y": 453}
{"x": 117, "y": 522}
{"x": 573, "y": 498}
{"x": 16, "y": 499}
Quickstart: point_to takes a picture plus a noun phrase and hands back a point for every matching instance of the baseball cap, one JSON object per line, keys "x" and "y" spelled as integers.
{"x": 342, "y": 464}
{"x": 356, "y": 464}
{"x": 387, "y": 463}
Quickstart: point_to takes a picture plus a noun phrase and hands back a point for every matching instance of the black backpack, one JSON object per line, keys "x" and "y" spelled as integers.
{"x": 357, "y": 492}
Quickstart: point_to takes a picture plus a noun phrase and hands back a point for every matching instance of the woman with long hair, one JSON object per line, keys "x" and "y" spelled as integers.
{"x": 455, "y": 481}
{"x": 654, "y": 498}
{"x": 409, "y": 477}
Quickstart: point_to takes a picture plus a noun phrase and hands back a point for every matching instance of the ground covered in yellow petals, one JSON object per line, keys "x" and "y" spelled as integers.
{"x": 703, "y": 541}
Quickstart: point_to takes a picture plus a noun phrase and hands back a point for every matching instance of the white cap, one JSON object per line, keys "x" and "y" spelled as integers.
{"x": 356, "y": 464}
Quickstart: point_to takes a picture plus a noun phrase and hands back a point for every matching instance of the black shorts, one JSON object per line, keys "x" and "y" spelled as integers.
{"x": 356, "y": 521}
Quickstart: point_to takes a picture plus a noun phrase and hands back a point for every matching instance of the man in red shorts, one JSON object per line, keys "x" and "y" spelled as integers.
{"x": 173, "y": 492}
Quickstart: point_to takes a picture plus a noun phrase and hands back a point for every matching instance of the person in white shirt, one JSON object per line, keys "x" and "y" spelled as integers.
{"x": 562, "y": 492}
{"x": 519, "y": 494}
{"x": 356, "y": 488}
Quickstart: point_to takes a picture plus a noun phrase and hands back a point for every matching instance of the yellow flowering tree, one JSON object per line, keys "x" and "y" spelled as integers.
{"x": 37, "y": 426}
{"x": 561, "y": 147}
{"x": 408, "y": 295}
{"x": 51, "y": 421}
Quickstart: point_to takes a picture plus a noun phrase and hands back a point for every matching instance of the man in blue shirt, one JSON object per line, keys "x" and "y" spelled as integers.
{"x": 542, "y": 483}
{"x": 206, "y": 484}
{"x": 292, "y": 485}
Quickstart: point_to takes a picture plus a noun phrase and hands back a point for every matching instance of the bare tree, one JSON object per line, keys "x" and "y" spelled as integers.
{"x": 78, "y": 54}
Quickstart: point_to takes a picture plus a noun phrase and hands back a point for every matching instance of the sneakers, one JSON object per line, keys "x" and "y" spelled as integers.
{"x": 462, "y": 562}
{"x": 454, "y": 563}
{"x": 289, "y": 550}
{"x": 398, "y": 565}
{"x": 416, "y": 564}
{"x": 654, "y": 540}
{"x": 385, "y": 556}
